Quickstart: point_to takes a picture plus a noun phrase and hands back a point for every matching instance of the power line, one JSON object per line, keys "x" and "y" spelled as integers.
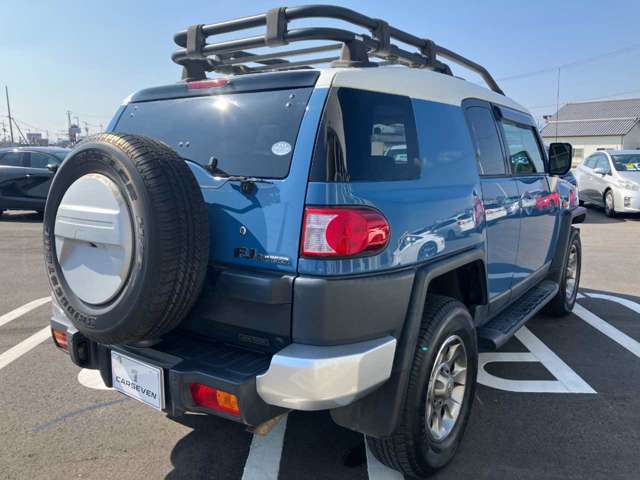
{"x": 594, "y": 58}
{"x": 605, "y": 97}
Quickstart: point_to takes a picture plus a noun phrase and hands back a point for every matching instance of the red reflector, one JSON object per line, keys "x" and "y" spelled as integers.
{"x": 214, "y": 399}
{"x": 343, "y": 232}
{"x": 212, "y": 83}
{"x": 60, "y": 339}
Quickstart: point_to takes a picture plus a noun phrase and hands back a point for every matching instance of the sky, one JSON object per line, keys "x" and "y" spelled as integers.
{"x": 87, "y": 56}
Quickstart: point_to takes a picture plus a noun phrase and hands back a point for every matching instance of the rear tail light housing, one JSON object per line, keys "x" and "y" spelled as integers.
{"x": 60, "y": 339}
{"x": 214, "y": 399}
{"x": 339, "y": 232}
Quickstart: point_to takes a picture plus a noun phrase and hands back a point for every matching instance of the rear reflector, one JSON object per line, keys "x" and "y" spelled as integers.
{"x": 204, "y": 84}
{"x": 214, "y": 399}
{"x": 343, "y": 232}
{"x": 60, "y": 339}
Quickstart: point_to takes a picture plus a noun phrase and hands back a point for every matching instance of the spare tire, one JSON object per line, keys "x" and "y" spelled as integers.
{"x": 126, "y": 238}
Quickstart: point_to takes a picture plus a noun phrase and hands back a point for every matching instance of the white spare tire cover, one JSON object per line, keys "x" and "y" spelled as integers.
{"x": 94, "y": 238}
{"x": 126, "y": 238}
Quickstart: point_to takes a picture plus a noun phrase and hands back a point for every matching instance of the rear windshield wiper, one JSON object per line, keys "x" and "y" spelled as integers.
{"x": 247, "y": 184}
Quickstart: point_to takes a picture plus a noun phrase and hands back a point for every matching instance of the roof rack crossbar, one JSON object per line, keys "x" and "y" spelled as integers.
{"x": 198, "y": 57}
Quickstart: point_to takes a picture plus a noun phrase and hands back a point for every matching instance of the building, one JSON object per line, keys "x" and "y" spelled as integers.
{"x": 592, "y": 126}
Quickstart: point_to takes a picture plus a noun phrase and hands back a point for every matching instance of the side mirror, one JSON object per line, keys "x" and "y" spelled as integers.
{"x": 560, "y": 156}
{"x": 53, "y": 167}
{"x": 600, "y": 171}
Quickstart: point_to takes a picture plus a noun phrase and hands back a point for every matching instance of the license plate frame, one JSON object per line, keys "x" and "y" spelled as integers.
{"x": 138, "y": 380}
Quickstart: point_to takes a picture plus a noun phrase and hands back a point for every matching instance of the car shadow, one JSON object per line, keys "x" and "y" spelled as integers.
{"x": 212, "y": 448}
{"x": 21, "y": 217}
{"x": 595, "y": 215}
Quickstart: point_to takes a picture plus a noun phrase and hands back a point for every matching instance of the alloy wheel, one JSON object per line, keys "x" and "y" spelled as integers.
{"x": 446, "y": 388}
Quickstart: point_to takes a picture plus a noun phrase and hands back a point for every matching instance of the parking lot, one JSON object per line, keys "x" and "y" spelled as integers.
{"x": 560, "y": 401}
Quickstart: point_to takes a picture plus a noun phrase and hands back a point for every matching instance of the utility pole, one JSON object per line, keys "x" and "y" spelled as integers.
{"x": 68, "y": 118}
{"x": 86, "y": 129}
{"x": 6, "y": 91}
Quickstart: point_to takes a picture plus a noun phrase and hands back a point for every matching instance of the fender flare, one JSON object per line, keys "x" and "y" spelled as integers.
{"x": 378, "y": 414}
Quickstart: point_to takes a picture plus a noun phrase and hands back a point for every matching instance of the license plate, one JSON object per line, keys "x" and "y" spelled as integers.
{"x": 138, "y": 380}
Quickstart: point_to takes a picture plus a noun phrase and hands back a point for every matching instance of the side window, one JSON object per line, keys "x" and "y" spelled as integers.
{"x": 591, "y": 161}
{"x": 603, "y": 163}
{"x": 41, "y": 160}
{"x": 366, "y": 136}
{"x": 13, "y": 159}
{"x": 524, "y": 151}
{"x": 486, "y": 141}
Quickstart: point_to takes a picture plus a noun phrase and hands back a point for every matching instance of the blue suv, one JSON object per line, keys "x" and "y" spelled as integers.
{"x": 280, "y": 237}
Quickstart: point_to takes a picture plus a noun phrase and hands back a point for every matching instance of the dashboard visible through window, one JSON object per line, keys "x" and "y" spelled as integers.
{"x": 524, "y": 150}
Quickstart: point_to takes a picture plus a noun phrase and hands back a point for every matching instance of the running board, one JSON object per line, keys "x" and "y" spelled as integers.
{"x": 499, "y": 330}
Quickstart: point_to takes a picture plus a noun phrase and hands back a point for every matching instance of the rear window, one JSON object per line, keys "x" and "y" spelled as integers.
{"x": 366, "y": 136}
{"x": 250, "y": 134}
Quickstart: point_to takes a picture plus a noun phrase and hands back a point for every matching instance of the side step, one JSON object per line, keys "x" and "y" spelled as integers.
{"x": 500, "y": 329}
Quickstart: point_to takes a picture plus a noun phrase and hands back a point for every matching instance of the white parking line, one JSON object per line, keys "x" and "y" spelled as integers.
{"x": 263, "y": 462}
{"x": 377, "y": 470}
{"x": 622, "y": 301}
{"x": 610, "y": 331}
{"x": 23, "y": 347}
{"x": 567, "y": 381}
{"x": 18, "y": 312}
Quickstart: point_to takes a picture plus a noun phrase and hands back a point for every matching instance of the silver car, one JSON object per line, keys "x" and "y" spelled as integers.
{"x": 611, "y": 179}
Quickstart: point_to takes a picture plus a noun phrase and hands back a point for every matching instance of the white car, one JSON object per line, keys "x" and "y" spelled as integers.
{"x": 611, "y": 179}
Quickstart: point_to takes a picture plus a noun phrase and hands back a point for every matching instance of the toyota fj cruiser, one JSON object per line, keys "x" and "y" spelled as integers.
{"x": 279, "y": 237}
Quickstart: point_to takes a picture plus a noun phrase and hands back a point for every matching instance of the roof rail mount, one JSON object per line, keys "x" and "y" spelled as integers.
{"x": 198, "y": 57}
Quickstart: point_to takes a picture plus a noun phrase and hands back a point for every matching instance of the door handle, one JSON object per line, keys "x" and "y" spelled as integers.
{"x": 28, "y": 175}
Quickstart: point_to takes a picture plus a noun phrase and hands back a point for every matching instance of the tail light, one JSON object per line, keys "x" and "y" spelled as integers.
{"x": 343, "y": 232}
{"x": 60, "y": 339}
{"x": 214, "y": 399}
{"x": 210, "y": 83}
{"x": 572, "y": 198}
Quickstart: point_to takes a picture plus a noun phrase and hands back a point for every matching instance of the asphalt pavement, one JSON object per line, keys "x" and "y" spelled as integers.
{"x": 560, "y": 401}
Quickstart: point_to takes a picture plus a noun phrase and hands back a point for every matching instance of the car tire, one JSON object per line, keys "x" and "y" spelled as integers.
{"x": 415, "y": 449}
{"x": 167, "y": 236}
{"x": 563, "y": 302}
{"x": 609, "y": 204}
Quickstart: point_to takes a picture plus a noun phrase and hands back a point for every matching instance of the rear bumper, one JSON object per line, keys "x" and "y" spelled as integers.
{"x": 300, "y": 377}
{"x": 308, "y": 377}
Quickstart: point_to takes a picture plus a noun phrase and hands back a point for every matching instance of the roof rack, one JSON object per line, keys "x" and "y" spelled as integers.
{"x": 232, "y": 56}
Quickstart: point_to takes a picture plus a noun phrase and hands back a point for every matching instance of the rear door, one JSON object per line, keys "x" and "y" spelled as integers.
{"x": 601, "y": 181}
{"x": 500, "y": 199}
{"x": 38, "y": 177}
{"x": 12, "y": 173}
{"x": 262, "y": 129}
{"x": 584, "y": 174}
{"x": 538, "y": 205}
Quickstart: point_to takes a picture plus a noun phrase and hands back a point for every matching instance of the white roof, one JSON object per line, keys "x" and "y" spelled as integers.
{"x": 417, "y": 83}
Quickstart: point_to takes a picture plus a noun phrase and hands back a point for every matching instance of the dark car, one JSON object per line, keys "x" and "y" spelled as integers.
{"x": 25, "y": 176}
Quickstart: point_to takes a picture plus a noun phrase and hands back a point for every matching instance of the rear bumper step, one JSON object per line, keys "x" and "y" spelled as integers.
{"x": 301, "y": 377}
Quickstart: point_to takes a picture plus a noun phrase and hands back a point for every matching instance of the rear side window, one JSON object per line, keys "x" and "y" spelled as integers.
{"x": 250, "y": 134}
{"x": 486, "y": 141}
{"x": 13, "y": 159}
{"x": 366, "y": 136}
{"x": 524, "y": 151}
{"x": 591, "y": 161}
{"x": 41, "y": 160}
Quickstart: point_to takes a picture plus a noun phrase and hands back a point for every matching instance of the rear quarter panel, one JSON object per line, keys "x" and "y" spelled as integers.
{"x": 429, "y": 217}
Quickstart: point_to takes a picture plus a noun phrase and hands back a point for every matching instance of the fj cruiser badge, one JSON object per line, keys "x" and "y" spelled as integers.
{"x": 252, "y": 254}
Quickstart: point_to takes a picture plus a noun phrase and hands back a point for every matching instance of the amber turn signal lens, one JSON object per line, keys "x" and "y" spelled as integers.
{"x": 60, "y": 339}
{"x": 214, "y": 399}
